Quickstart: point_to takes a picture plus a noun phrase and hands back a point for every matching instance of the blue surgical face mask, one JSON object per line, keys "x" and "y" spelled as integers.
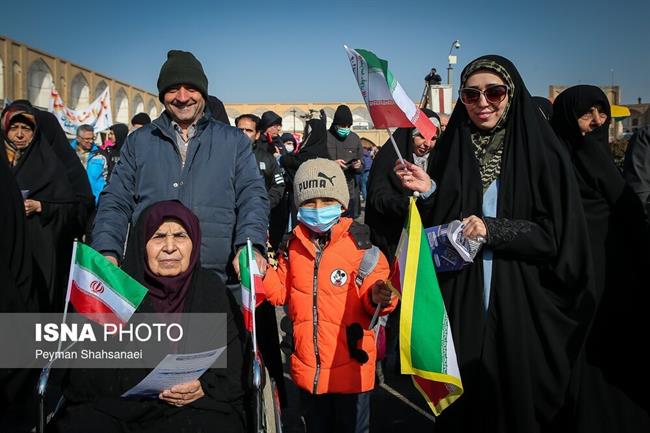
{"x": 343, "y": 132}
{"x": 320, "y": 220}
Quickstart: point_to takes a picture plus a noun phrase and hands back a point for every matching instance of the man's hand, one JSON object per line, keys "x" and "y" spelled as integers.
{"x": 111, "y": 259}
{"x": 182, "y": 394}
{"x": 262, "y": 264}
{"x": 381, "y": 294}
{"x": 342, "y": 164}
{"x": 356, "y": 164}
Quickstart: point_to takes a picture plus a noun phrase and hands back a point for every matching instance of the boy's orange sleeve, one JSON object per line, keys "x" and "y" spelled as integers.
{"x": 275, "y": 282}
{"x": 380, "y": 273}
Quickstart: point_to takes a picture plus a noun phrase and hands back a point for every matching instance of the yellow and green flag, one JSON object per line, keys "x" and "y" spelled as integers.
{"x": 427, "y": 349}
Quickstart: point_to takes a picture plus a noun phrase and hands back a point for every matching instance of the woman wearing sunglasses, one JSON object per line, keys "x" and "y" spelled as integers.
{"x": 607, "y": 398}
{"x": 518, "y": 312}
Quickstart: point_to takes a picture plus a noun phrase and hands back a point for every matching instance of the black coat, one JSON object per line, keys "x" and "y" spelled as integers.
{"x": 515, "y": 359}
{"x": 604, "y": 396}
{"x": 272, "y": 173}
{"x": 52, "y": 173}
{"x": 637, "y": 166}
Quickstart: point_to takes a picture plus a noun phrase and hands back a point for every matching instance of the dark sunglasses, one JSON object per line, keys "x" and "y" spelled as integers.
{"x": 493, "y": 94}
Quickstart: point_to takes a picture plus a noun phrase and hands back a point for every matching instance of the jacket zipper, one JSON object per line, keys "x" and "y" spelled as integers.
{"x": 319, "y": 253}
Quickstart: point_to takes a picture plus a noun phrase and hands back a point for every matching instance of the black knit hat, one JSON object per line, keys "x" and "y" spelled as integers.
{"x": 182, "y": 67}
{"x": 269, "y": 118}
{"x": 141, "y": 119}
{"x": 343, "y": 116}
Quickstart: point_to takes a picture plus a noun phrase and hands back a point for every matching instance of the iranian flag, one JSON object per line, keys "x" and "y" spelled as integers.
{"x": 387, "y": 102}
{"x": 99, "y": 290}
{"x": 427, "y": 349}
{"x": 252, "y": 287}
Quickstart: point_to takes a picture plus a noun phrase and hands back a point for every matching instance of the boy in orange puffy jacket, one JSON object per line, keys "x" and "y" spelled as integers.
{"x": 332, "y": 298}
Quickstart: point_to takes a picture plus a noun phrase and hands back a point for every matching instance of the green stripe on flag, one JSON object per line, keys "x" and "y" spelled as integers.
{"x": 377, "y": 64}
{"x": 244, "y": 269}
{"x": 428, "y": 324}
{"x": 113, "y": 277}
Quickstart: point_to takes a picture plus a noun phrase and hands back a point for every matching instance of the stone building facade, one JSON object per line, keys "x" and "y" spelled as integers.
{"x": 29, "y": 73}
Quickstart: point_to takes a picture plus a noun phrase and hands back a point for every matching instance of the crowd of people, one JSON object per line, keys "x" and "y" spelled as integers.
{"x": 547, "y": 321}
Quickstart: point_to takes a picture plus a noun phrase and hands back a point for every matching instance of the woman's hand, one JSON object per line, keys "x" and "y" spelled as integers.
{"x": 412, "y": 176}
{"x": 474, "y": 228}
{"x": 32, "y": 207}
{"x": 182, "y": 394}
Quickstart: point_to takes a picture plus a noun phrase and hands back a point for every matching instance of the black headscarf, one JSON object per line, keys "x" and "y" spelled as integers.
{"x": 217, "y": 109}
{"x": 615, "y": 217}
{"x": 314, "y": 145}
{"x": 121, "y": 131}
{"x": 73, "y": 170}
{"x": 38, "y": 169}
{"x": 515, "y": 359}
{"x": 545, "y": 106}
{"x": 166, "y": 294}
{"x": 387, "y": 203}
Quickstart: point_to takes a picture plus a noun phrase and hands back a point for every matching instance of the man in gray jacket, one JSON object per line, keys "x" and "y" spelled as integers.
{"x": 186, "y": 155}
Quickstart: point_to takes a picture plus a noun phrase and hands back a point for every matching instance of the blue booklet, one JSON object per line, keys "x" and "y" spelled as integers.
{"x": 450, "y": 249}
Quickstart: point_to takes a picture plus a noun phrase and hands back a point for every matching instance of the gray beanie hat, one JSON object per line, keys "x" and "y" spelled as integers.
{"x": 319, "y": 178}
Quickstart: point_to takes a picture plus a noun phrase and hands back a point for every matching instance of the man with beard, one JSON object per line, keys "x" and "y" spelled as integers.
{"x": 188, "y": 156}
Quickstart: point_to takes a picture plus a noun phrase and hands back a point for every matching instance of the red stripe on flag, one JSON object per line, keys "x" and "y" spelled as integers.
{"x": 432, "y": 391}
{"x": 248, "y": 319}
{"x": 91, "y": 307}
{"x": 389, "y": 116}
{"x": 260, "y": 293}
{"x": 441, "y": 100}
{"x": 424, "y": 125}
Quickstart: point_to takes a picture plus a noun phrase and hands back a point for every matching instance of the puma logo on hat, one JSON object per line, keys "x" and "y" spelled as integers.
{"x": 331, "y": 179}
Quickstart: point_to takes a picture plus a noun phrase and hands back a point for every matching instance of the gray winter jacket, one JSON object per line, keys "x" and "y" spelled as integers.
{"x": 220, "y": 182}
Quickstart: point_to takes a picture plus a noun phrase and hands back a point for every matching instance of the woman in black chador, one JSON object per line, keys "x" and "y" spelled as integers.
{"x": 519, "y": 313}
{"x": 56, "y": 214}
{"x": 610, "y": 380}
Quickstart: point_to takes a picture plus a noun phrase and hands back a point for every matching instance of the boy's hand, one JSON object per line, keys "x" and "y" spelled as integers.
{"x": 381, "y": 294}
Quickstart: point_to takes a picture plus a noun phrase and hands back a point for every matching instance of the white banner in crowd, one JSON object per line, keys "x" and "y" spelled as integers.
{"x": 98, "y": 114}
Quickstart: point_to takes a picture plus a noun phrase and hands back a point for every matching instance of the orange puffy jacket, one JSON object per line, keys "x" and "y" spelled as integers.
{"x": 324, "y": 300}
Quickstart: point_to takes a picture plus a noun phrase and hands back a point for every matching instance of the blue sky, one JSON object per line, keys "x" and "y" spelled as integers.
{"x": 254, "y": 51}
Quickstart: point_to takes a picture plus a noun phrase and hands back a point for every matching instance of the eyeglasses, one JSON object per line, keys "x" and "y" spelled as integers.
{"x": 86, "y": 138}
{"x": 493, "y": 94}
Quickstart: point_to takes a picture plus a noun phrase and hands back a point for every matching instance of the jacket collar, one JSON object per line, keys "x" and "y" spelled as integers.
{"x": 164, "y": 123}
{"x": 338, "y": 232}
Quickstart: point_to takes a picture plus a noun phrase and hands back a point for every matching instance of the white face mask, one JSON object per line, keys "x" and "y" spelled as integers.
{"x": 289, "y": 147}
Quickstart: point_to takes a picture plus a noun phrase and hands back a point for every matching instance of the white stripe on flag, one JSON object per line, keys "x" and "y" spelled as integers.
{"x": 113, "y": 300}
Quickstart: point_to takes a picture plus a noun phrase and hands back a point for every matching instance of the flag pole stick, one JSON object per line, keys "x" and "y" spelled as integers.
{"x": 67, "y": 293}
{"x": 373, "y": 321}
{"x": 392, "y": 140}
{"x": 399, "y": 155}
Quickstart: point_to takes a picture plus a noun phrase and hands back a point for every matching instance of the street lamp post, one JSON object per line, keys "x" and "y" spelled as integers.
{"x": 452, "y": 59}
